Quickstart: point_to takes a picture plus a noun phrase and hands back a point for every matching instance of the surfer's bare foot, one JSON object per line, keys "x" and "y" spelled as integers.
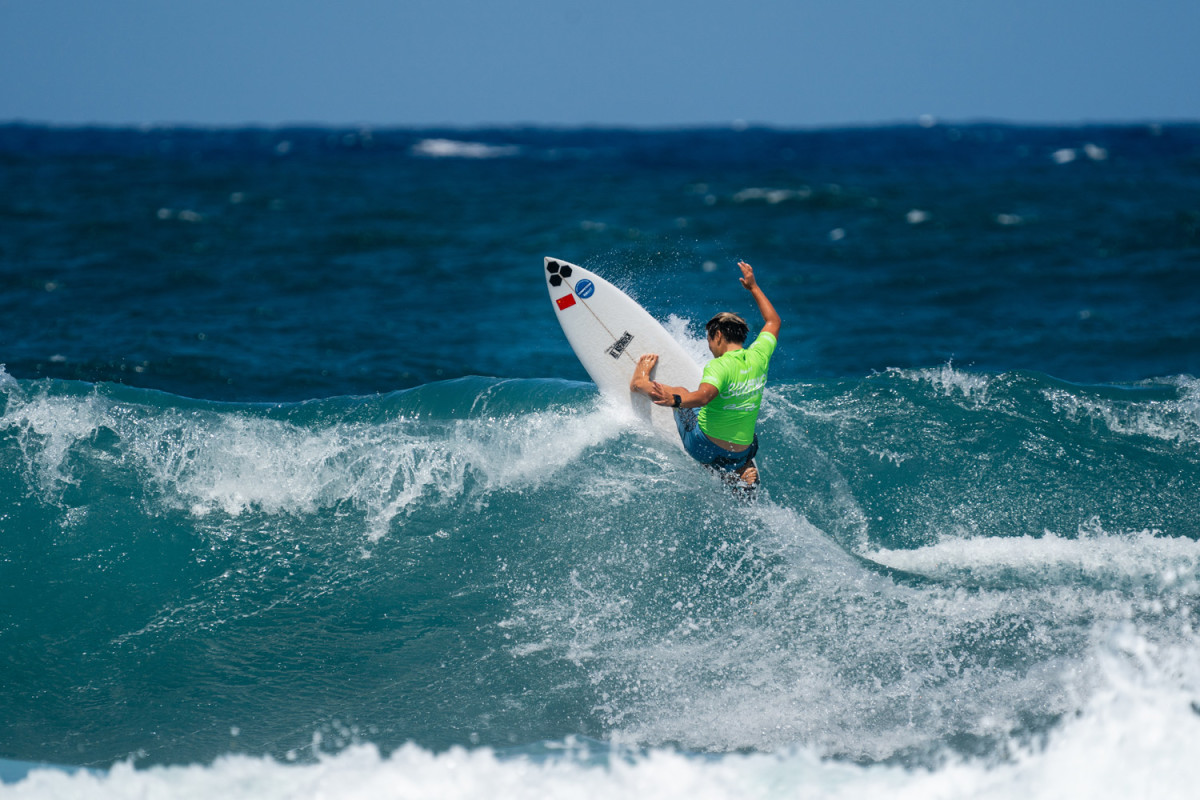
{"x": 641, "y": 374}
{"x": 749, "y": 473}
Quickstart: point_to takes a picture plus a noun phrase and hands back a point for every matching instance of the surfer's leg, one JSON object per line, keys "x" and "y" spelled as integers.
{"x": 641, "y": 374}
{"x": 694, "y": 442}
{"x": 748, "y": 472}
{"x": 741, "y": 465}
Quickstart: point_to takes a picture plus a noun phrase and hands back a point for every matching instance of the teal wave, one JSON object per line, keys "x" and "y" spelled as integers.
{"x": 937, "y": 555}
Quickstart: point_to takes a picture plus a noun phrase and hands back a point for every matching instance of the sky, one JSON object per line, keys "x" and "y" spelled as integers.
{"x": 640, "y": 63}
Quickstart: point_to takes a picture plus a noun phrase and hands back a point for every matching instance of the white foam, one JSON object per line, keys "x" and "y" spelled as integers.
{"x": 185, "y": 215}
{"x": 451, "y": 148}
{"x": 231, "y": 462}
{"x": 7, "y": 382}
{"x": 1176, "y": 420}
{"x": 949, "y": 381}
{"x": 785, "y": 638}
{"x": 1124, "y": 558}
{"x": 389, "y": 469}
{"x": 1068, "y": 154}
{"x": 771, "y": 196}
{"x": 682, "y": 330}
{"x": 1135, "y": 737}
{"x": 410, "y": 772}
{"x": 48, "y": 427}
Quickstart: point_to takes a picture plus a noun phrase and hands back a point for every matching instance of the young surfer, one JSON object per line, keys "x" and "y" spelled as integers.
{"x": 716, "y": 421}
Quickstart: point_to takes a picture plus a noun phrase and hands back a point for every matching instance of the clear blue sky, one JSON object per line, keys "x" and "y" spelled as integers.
{"x": 609, "y": 62}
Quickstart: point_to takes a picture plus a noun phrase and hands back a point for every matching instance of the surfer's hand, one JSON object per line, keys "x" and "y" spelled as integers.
{"x": 747, "y": 278}
{"x": 660, "y": 395}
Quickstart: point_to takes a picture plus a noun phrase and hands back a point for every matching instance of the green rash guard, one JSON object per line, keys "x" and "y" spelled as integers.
{"x": 739, "y": 377}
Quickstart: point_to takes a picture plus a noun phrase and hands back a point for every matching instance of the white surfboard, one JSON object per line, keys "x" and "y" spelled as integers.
{"x": 609, "y": 332}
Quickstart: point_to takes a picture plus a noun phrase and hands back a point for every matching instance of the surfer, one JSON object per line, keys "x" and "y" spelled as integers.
{"x": 717, "y": 420}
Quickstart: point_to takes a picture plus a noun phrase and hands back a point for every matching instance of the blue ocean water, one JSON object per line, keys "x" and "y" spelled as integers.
{"x": 303, "y": 489}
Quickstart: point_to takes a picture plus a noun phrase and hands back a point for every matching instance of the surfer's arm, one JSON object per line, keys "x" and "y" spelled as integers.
{"x": 665, "y": 395}
{"x": 771, "y": 319}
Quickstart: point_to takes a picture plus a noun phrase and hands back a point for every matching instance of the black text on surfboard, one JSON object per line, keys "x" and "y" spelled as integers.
{"x": 618, "y": 347}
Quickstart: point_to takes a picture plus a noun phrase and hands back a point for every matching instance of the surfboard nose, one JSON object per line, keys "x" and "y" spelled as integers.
{"x": 557, "y": 270}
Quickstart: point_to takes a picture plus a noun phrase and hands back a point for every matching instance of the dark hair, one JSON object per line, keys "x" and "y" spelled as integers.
{"x": 731, "y": 326}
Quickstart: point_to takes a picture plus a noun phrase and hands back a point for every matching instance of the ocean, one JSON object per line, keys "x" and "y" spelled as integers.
{"x": 303, "y": 492}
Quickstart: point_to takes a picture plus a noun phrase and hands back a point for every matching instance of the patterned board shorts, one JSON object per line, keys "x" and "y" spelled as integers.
{"x": 701, "y": 448}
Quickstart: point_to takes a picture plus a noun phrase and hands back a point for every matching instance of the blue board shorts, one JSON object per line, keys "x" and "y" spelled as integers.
{"x": 701, "y": 448}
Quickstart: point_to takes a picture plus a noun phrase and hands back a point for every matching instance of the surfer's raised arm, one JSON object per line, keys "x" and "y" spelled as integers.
{"x": 771, "y": 319}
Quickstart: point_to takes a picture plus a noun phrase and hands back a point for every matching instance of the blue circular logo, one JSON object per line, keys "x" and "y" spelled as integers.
{"x": 585, "y": 288}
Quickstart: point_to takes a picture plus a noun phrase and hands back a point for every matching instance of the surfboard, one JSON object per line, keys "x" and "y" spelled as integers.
{"x": 609, "y": 331}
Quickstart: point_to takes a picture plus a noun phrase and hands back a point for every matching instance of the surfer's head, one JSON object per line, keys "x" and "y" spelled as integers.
{"x": 729, "y": 325}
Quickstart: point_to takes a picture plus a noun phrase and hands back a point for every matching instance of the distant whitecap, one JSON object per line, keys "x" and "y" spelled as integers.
{"x": 771, "y": 196}
{"x": 753, "y": 193}
{"x": 450, "y": 148}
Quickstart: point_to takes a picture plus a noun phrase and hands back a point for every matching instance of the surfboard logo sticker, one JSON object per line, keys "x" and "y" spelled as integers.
{"x": 585, "y": 288}
{"x": 565, "y": 302}
{"x": 618, "y": 347}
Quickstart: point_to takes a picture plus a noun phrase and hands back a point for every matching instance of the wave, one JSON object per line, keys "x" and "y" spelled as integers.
{"x": 993, "y": 455}
{"x": 939, "y": 564}
{"x": 381, "y": 455}
{"x": 1134, "y": 736}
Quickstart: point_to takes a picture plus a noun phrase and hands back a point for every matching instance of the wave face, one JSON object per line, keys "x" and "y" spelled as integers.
{"x": 499, "y": 563}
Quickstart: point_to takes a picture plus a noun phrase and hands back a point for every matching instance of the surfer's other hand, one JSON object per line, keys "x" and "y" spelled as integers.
{"x": 747, "y": 279}
{"x": 660, "y": 395}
